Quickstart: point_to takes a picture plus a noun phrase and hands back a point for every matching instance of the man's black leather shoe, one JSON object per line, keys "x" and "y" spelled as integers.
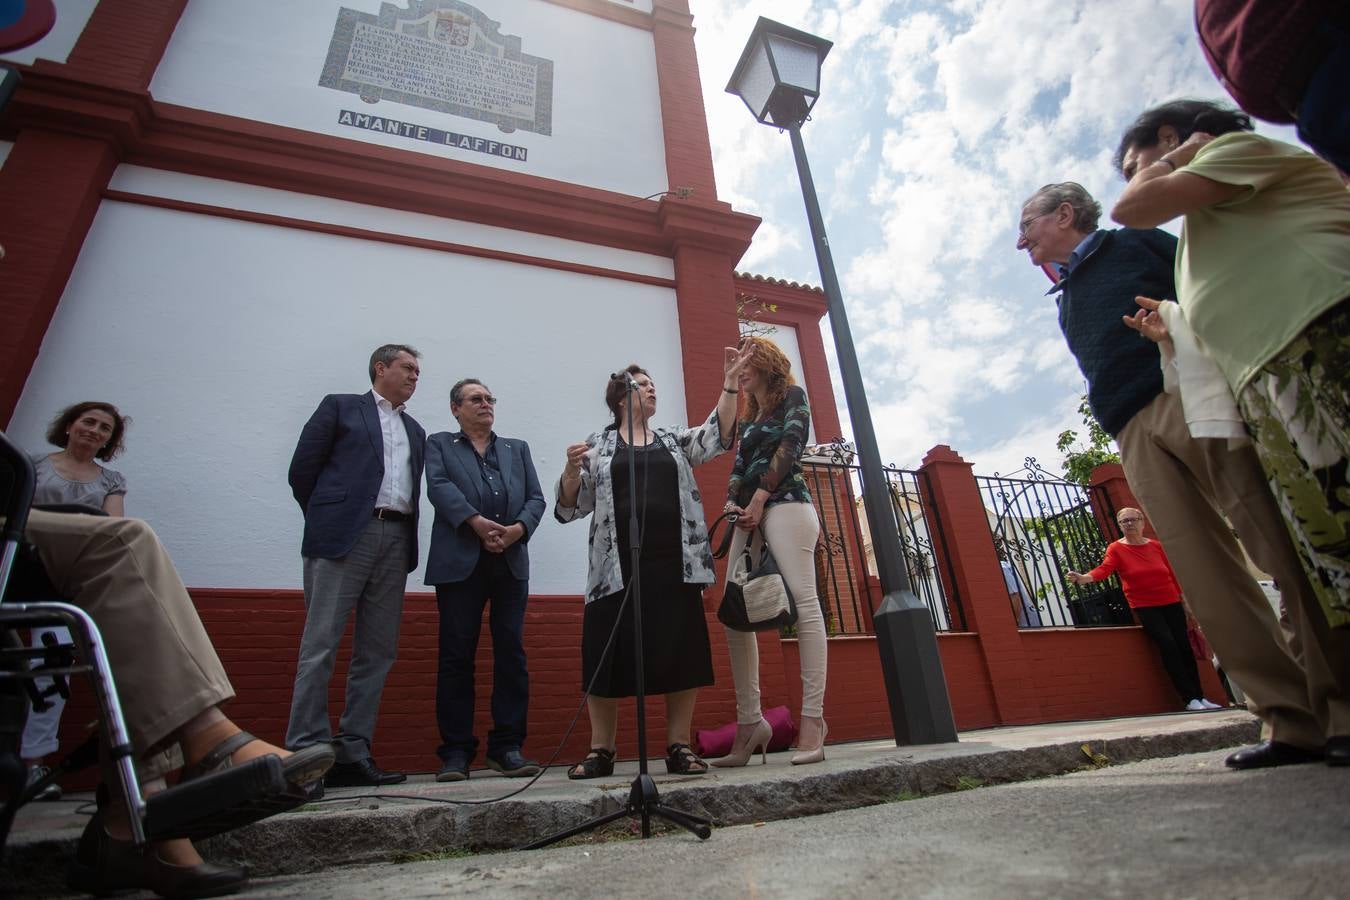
{"x": 362, "y": 773}
{"x": 1338, "y": 750}
{"x": 513, "y": 764}
{"x": 1271, "y": 753}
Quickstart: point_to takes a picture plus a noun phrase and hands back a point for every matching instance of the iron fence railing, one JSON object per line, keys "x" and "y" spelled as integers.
{"x": 844, "y": 563}
{"x": 1042, "y": 529}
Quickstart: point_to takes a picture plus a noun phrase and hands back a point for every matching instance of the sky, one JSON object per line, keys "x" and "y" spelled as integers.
{"x": 936, "y": 121}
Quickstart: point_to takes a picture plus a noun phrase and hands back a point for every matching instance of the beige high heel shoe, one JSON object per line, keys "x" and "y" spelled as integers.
{"x": 804, "y": 756}
{"x": 741, "y": 751}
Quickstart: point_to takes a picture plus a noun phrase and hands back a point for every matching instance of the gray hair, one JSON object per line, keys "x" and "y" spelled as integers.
{"x": 387, "y": 353}
{"x": 457, "y": 392}
{"x": 1086, "y": 211}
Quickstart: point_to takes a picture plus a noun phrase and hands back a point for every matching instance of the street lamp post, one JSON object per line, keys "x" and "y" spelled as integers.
{"x": 778, "y": 77}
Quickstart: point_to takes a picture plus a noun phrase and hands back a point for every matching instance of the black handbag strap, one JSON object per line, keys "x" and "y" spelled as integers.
{"x": 724, "y": 545}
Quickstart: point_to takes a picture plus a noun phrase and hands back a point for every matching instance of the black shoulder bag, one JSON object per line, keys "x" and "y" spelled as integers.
{"x": 756, "y": 597}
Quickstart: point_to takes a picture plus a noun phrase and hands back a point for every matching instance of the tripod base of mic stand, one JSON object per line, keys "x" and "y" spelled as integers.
{"x": 643, "y": 802}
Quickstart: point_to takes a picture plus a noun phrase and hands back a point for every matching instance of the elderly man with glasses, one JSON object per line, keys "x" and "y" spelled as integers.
{"x": 1187, "y": 484}
{"x": 488, "y": 502}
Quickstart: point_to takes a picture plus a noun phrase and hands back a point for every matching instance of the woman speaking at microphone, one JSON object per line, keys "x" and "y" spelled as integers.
{"x": 675, "y": 564}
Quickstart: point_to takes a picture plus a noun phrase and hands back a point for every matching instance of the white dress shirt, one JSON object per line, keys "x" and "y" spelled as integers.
{"x": 396, "y": 485}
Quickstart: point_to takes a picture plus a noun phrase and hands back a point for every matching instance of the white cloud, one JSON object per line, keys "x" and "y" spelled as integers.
{"x": 936, "y": 120}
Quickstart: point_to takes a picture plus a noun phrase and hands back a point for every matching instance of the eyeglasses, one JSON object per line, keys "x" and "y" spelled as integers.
{"x": 481, "y": 399}
{"x": 1130, "y": 521}
{"x": 1022, "y": 228}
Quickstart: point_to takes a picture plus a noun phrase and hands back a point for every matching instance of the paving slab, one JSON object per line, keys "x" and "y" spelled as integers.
{"x": 423, "y": 818}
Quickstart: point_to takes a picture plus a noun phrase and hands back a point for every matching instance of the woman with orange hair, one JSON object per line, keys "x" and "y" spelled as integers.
{"x": 768, "y": 493}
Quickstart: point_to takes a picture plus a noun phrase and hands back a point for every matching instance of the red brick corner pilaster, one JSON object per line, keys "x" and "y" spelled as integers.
{"x": 683, "y": 120}
{"x": 49, "y": 190}
{"x": 951, "y": 492}
{"x": 1109, "y": 495}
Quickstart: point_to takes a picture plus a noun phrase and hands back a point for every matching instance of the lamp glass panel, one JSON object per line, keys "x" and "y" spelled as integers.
{"x": 798, "y": 64}
{"x": 756, "y": 84}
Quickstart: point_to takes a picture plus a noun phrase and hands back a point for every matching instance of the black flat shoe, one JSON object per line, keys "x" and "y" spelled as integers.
{"x": 454, "y": 767}
{"x": 513, "y": 764}
{"x": 362, "y": 773}
{"x": 1271, "y": 753}
{"x": 1338, "y": 750}
{"x": 105, "y": 865}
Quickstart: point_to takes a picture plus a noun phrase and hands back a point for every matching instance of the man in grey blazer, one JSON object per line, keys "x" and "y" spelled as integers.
{"x": 488, "y": 503}
{"x": 357, "y": 474}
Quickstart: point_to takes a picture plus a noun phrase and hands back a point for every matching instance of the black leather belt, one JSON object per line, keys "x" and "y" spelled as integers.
{"x": 385, "y": 514}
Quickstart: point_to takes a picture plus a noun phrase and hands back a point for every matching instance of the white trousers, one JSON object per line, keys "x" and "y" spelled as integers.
{"x": 791, "y": 530}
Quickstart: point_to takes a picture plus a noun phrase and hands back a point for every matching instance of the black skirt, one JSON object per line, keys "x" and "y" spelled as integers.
{"x": 676, "y": 654}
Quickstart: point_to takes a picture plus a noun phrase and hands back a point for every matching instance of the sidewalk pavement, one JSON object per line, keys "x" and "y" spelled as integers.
{"x": 413, "y": 820}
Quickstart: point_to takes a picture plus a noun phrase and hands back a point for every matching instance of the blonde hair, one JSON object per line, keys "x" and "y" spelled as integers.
{"x": 1129, "y": 509}
{"x": 770, "y": 360}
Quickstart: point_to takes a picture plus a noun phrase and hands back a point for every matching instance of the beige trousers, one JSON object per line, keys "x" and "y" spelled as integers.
{"x": 1187, "y": 486}
{"x": 163, "y": 663}
{"x": 791, "y": 530}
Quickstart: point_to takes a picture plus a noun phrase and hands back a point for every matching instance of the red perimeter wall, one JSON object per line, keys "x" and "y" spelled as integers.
{"x": 996, "y": 674}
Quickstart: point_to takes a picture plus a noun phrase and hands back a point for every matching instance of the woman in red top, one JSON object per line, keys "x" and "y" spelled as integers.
{"x": 1152, "y": 591}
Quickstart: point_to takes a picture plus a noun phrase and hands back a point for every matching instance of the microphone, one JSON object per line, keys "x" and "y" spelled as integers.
{"x": 625, "y": 377}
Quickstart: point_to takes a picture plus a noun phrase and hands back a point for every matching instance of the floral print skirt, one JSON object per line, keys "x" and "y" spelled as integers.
{"x": 1298, "y": 411}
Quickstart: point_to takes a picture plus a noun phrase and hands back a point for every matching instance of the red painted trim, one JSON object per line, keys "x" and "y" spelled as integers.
{"x": 161, "y": 135}
{"x": 365, "y": 234}
{"x": 123, "y": 42}
{"x": 235, "y": 595}
{"x": 684, "y": 122}
{"x": 800, "y": 307}
{"x": 604, "y": 10}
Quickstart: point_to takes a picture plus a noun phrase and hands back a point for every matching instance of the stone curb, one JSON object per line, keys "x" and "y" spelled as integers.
{"x": 317, "y": 838}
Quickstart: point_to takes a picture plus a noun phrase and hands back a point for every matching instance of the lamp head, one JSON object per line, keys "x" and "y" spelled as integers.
{"x": 778, "y": 75}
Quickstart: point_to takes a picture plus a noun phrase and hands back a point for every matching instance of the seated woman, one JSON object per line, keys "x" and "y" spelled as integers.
{"x": 1152, "y": 591}
{"x": 675, "y": 564}
{"x": 86, "y": 433}
{"x": 117, "y": 571}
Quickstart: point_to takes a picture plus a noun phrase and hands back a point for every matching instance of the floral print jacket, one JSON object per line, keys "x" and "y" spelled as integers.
{"x": 689, "y": 447}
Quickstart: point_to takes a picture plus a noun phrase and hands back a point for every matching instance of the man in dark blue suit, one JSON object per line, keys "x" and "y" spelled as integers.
{"x": 357, "y": 474}
{"x": 488, "y": 502}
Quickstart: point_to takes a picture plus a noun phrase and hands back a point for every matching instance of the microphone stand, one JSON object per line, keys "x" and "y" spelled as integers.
{"x": 644, "y": 801}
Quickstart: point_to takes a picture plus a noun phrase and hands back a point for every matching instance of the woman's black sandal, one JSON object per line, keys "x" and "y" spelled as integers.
{"x": 597, "y": 764}
{"x": 682, "y": 760}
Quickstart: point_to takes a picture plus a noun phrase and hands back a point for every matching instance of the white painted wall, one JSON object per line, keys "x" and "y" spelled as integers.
{"x": 235, "y": 195}
{"x": 71, "y": 17}
{"x": 220, "y": 337}
{"x": 260, "y": 59}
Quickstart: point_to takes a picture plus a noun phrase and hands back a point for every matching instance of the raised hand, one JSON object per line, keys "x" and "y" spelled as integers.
{"x": 1147, "y": 321}
{"x": 734, "y": 361}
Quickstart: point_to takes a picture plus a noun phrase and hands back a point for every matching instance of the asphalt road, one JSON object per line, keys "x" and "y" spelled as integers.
{"x": 1179, "y": 827}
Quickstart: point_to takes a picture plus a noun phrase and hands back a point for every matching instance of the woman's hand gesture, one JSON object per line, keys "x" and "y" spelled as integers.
{"x": 734, "y": 362}
{"x": 1147, "y": 321}
{"x": 575, "y": 454}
